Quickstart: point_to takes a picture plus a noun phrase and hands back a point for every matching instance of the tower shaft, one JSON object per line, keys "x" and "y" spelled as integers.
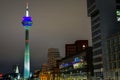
{"x": 27, "y": 55}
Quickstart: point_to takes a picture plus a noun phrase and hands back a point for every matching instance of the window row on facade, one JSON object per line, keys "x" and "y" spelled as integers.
{"x": 114, "y": 65}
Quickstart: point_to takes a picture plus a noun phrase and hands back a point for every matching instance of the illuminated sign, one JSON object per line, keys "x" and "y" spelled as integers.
{"x": 79, "y": 65}
{"x": 78, "y": 62}
{"x": 77, "y": 59}
{"x": 64, "y": 65}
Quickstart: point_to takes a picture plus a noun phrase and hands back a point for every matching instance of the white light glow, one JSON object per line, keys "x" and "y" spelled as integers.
{"x": 27, "y": 13}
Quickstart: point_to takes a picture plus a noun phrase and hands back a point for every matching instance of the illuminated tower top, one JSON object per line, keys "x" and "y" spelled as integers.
{"x": 27, "y": 20}
{"x": 27, "y": 12}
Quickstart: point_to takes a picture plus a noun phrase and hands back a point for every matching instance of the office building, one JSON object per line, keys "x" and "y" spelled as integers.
{"x": 105, "y": 21}
{"x": 53, "y": 56}
{"x": 113, "y": 52}
{"x": 79, "y": 45}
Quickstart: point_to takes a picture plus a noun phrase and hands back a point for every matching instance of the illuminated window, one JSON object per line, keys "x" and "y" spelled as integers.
{"x": 118, "y": 15}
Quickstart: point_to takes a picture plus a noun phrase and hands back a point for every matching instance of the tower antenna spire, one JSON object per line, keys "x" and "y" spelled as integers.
{"x": 27, "y": 12}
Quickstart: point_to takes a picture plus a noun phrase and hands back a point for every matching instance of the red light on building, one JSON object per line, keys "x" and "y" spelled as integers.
{"x": 1, "y": 75}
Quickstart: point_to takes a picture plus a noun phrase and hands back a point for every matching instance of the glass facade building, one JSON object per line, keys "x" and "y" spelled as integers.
{"x": 113, "y": 51}
{"x": 104, "y": 22}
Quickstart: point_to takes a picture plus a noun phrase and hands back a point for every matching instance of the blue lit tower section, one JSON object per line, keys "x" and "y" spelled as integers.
{"x": 27, "y": 23}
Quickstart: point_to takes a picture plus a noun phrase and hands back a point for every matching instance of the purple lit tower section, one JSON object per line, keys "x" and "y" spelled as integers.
{"x": 27, "y": 23}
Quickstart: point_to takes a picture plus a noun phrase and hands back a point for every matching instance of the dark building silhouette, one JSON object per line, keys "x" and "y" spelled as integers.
{"x": 79, "y": 45}
{"x": 70, "y": 49}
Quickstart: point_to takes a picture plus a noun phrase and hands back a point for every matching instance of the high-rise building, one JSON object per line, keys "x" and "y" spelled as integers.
{"x": 27, "y": 23}
{"x": 105, "y": 21}
{"x": 113, "y": 52}
{"x": 53, "y": 56}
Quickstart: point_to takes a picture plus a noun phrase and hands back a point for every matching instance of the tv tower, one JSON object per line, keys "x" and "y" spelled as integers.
{"x": 27, "y": 23}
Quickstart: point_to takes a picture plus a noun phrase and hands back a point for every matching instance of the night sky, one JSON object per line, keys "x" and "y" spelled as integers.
{"x": 55, "y": 23}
